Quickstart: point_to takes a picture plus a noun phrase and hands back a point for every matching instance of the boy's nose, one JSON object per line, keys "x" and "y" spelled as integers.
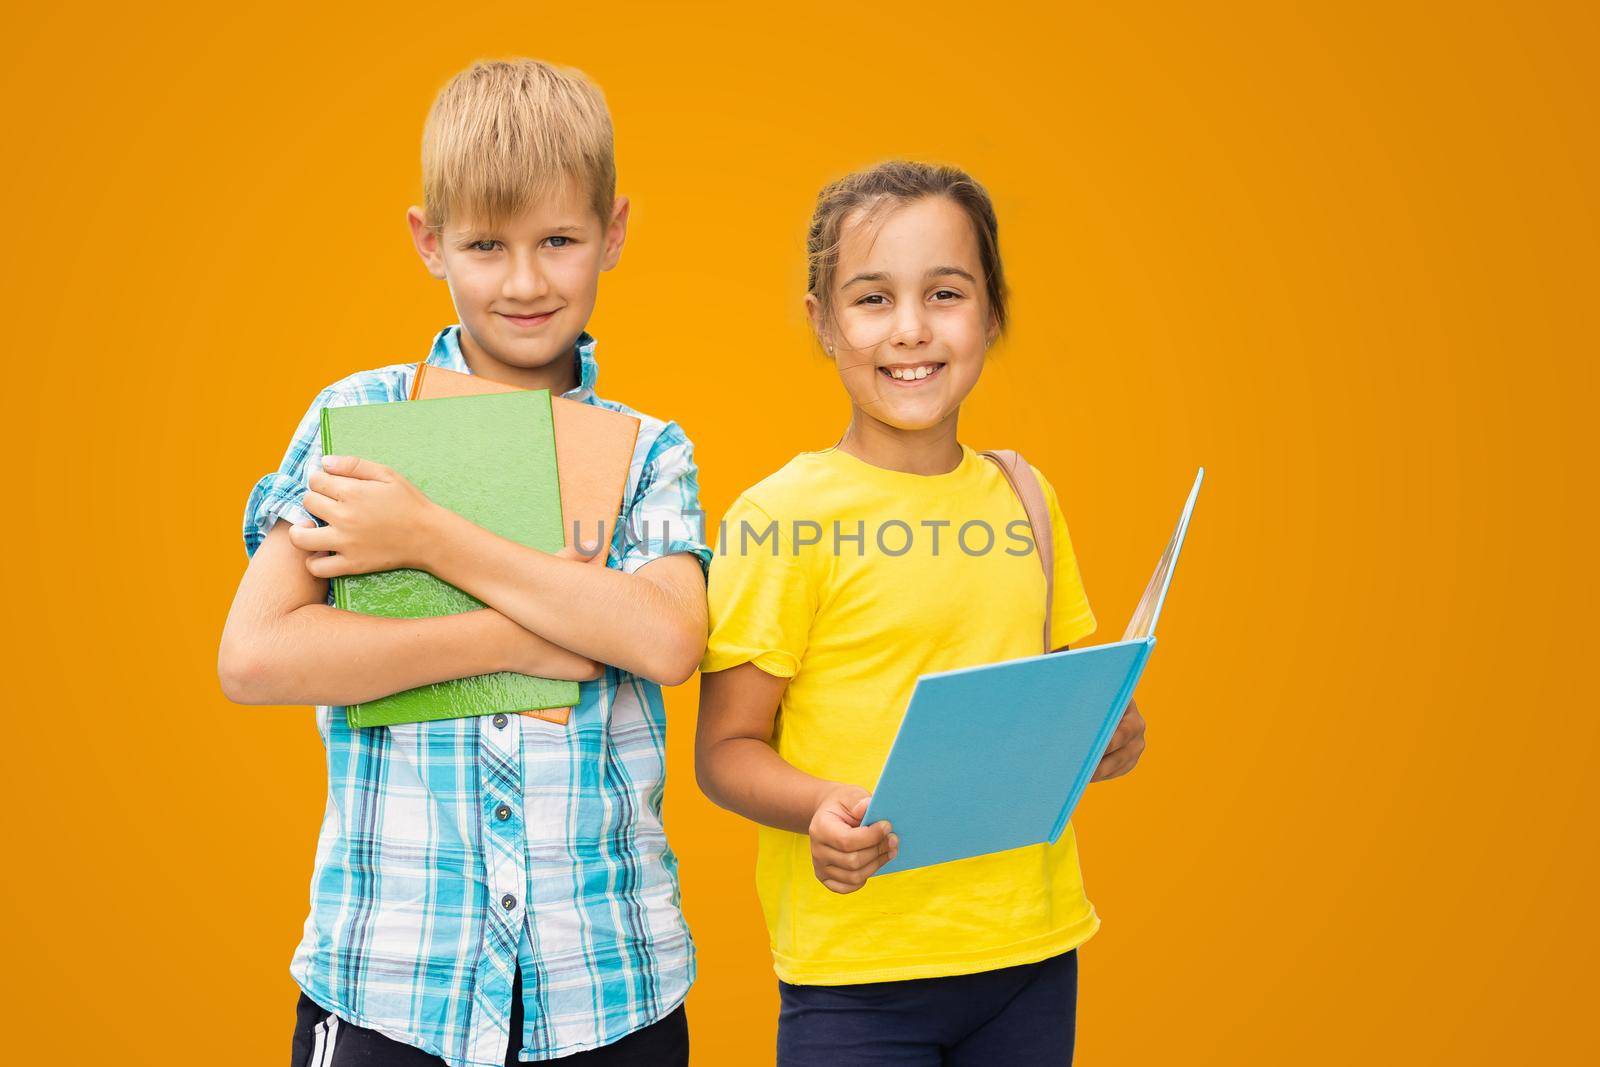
{"x": 526, "y": 281}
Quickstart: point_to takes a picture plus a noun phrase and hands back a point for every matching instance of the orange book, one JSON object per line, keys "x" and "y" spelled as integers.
{"x": 594, "y": 450}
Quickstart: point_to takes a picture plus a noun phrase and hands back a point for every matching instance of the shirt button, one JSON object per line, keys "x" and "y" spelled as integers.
{"x": 503, "y": 812}
{"x": 508, "y": 902}
{"x": 500, "y": 722}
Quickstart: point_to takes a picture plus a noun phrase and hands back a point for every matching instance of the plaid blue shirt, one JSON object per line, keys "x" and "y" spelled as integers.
{"x": 423, "y": 903}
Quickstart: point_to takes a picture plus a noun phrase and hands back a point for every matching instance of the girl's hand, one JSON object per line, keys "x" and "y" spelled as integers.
{"x": 1126, "y": 746}
{"x": 844, "y": 853}
{"x": 377, "y": 521}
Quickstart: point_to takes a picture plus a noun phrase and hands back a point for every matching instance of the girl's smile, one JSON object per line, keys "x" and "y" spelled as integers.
{"x": 910, "y": 375}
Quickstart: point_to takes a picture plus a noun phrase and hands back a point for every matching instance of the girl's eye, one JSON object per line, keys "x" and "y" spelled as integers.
{"x": 951, "y": 293}
{"x": 872, "y": 298}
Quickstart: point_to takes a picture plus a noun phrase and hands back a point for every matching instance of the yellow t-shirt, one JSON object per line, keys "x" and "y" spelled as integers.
{"x": 839, "y": 576}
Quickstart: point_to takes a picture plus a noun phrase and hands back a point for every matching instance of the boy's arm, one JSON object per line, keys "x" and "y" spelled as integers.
{"x": 651, "y": 623}
{"x": 282, "y": 644}
{"x": 738, "y": 769}
{"x": 649, "y": 620}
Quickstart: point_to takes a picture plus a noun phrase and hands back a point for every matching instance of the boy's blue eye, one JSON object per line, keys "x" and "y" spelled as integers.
{"x": 485, "y": 245}
{"x": 564, "y": 241}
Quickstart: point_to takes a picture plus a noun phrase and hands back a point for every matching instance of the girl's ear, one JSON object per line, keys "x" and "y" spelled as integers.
{"x": 818, "y": 327}
{"x": 427, "y": 241}
{"x": 992, "y": 333}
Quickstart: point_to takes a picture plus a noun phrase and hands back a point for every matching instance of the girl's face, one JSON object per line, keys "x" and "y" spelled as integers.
{"x": 911, "y": 320}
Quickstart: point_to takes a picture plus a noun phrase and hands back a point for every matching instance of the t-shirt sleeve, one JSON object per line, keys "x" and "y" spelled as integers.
{"x": 664, "y": 516}
{"x": 280, "y": 495}
{"x": 1071, "y": 620}
{"x": 760, "y": 598}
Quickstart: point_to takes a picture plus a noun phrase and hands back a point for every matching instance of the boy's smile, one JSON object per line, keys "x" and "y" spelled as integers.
{"x": 530, "y": 320}
{"x": 524, "y": 287}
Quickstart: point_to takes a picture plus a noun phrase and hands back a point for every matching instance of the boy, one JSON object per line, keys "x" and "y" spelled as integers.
{"x": 488, "y": 890}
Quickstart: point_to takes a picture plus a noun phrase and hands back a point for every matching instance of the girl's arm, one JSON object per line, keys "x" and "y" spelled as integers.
{"x": 1125, "y": 747}
{"x": 282, "y": 644}
{"x": 737, "y": 768}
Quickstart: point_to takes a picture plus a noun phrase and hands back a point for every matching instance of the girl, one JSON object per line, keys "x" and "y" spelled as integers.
{"x": 841, "y": 578}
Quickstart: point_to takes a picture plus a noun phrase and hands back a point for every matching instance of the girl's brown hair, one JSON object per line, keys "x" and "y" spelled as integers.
{"x": 894, "y": 183}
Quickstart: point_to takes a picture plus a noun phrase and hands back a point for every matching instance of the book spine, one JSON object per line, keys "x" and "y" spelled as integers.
{"x": 548, "y": 406}
{"x": 339, "y": 594}
{"x": 1125, "y": 694}
{"x": 340, "y": 597}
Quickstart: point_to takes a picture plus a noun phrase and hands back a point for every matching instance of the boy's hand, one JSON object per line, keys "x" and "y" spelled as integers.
{"x": 1126, "y": 746}
{"x": 377, "y": 520}
{"x": 844, "y": 853}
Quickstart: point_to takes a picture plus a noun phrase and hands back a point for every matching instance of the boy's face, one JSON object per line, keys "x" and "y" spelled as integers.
{"x": 524, "y": 289}
{"x": 909, "y": 300}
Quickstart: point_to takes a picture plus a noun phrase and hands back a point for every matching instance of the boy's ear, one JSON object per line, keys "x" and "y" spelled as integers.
{"x": 426, "y": 240}
{"x": 616, "y": 233}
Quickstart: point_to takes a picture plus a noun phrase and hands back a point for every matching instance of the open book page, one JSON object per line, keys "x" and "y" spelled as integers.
{"x": 1143, "y": 623}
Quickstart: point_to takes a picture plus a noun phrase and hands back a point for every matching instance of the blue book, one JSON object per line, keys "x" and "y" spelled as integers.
{"x": 996, "y": 757}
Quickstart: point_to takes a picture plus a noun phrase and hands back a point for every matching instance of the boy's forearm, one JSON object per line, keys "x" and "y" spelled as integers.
{"x": 319, "y": 654}
{"x": 747, "y": 777}
{"x": 621, "y": 619}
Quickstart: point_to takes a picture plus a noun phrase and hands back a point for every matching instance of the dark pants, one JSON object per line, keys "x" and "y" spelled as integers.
{"x": 340, "y": 1044}
{"x": 1017, "y": 1015}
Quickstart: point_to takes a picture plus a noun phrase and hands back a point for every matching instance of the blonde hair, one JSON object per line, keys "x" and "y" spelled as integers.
{"x": 504, "y": 133}
{"x": 890, "y": 184}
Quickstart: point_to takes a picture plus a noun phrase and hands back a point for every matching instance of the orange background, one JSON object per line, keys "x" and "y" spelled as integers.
{"x": 1344, "y": 259}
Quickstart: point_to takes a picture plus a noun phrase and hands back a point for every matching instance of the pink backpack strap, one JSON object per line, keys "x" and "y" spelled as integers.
{"x": 1025, "y": 484}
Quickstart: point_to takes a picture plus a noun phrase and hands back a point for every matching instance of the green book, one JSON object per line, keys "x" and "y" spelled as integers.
{"x": 491, "y": 459}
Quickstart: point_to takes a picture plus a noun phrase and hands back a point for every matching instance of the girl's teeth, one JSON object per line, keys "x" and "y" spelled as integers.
{"x": 913, "y": 374}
